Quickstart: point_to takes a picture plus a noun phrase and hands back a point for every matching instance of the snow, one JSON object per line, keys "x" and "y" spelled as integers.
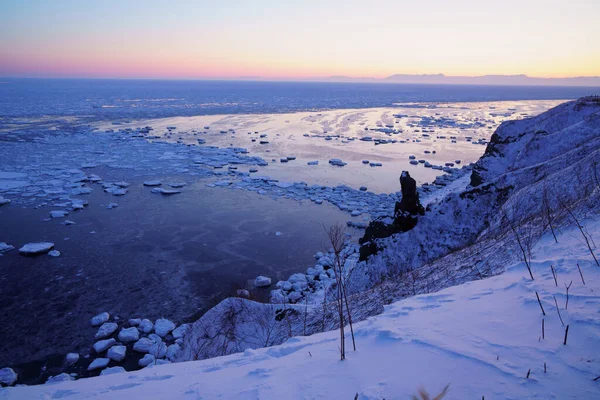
{"x": 59, "y": 378}
{"x": 112, "y": 370}
{"x": 481, "y": 337}
{"x": 36, "y": 248}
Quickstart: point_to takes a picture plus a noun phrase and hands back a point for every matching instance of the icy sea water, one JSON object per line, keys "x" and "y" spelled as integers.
{"x": 172, "y": 256}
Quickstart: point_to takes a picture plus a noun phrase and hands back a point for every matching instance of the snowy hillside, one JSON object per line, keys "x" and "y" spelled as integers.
{"x": 481, "y": 337}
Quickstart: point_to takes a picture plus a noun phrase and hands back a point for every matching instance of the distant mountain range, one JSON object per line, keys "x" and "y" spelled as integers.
{"x": 523, "y": 80}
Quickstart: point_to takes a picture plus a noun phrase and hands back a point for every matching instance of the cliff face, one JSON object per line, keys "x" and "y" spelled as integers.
{"x": 545, "y": 161}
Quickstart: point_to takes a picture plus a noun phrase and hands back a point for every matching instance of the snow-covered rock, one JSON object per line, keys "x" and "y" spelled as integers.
{"x": 117, "y": 353}
{"x": 98, "y": 363}
{"x": 112, "y": 370}
{"x": 129, "y": 335}
{"x": 100, "y": 319}
{"x": 143, "y": 345}
{"x": 146, "y": 360}
{"x": 159, "y": 362}
{"x": 36, "y": 248}
{"x": 262, "y": 281}
{"x": 163, "y": 327}
{"x": 173, "y": 351}
{"x": 7, "y": 376}
{"x": 146, "y": 326}
{"x": 105, "y": 344}
{"x": 54, "y": 253}
{"x": 71, "y": 358}
{"x": 158, "y": 350}
{"x": 180, "y": 331}
{"x": 106, "y": 329}
{"x": 135, "y": 321}
{"x": 60, "y": 378}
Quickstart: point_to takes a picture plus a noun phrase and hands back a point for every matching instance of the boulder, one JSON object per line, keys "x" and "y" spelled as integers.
{"x": 102, "y": 345}
{"x": 181, "y": 331}
{"x": 294, "y": 296}
{"x": 71, "y": 358}
{"x": 262, "y": 281}
{"x": 146, "y": 360}
{"x": 155, "y": 338}
{"x": 277, "y": 296}
{"x": 129, "y": 335}
{"x": 143, "y": 345}
{"x": 54, "y": 253}
{"x": 106, "y": 329}
{"x": 163, "y": 327}
{"x": 158, "y": 350}
{"x": 98, "y": 363}
{"x": 100, "y": 319}
{"x": 117, "y": 353}
{"x": 172, "y": 351}
{"x": 7, "y": 376}
{"x": 146, "y": 326}
{"x": 135, "y": 321}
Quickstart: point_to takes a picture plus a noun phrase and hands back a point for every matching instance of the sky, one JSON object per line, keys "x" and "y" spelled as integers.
{"x": 297, "y": 39}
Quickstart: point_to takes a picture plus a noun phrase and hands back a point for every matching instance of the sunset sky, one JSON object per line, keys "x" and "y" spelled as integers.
{"x": 298, "y": 39}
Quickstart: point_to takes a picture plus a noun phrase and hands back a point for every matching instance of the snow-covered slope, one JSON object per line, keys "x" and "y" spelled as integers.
{"x": 481, "y": 337}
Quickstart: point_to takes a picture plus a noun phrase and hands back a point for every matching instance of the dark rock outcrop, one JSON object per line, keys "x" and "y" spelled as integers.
{"x": 405, "y": 217}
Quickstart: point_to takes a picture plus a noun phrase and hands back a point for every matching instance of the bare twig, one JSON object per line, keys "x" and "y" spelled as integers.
{"x": 554, "y": 275}
{"x": 566, "y": 334}
{"x": 580, "y": 274}
{"x": 539, "y": 301}
{"x": 528, "y": 372}
{"x": 558, "y": 311}
{"x": 568, "y": 287}
{"x": 544, "y": 367}
{"x": 543, "y": 330}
